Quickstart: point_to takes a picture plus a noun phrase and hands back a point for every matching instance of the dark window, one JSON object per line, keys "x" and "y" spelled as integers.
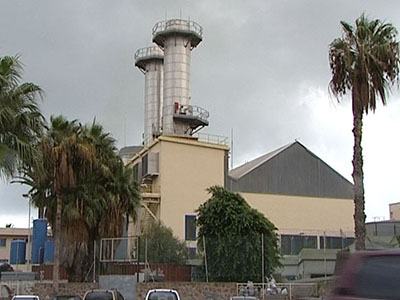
{"x": 348, "y": 241}
{"x": 297, "y": 244}
{"x": 293, "y": 244}
{"x": 332, "y": 242}
{"x": 162, "y": 295}
{"x": 379, "y": 278}
{"x": 310, "y": 242}
{"x": 99, "y": 295}
{"x": 145, "y": 163}
{"x": 3, "y": 242}
{"x": 285, "y": 244}
{"x": 190, "y": 228}
{"x": 191, "y": 252}
{"x": 135, "y": 171}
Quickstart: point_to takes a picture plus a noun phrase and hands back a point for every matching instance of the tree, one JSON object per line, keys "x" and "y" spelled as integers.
{"x": 161, "y": 246}
{"x": 21, "y": 122}
{"x": 232, "y": 232}
{"x": 365, "y": 62}
{"x": 72, "y": 158}
{"x": 94, "y": 206}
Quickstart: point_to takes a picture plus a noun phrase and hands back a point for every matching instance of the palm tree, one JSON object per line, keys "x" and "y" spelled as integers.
{"x": 71, "y": 158}
{"x": 95, "y": 204}
{"x": 365, "y": 61}
{"x": 21, "y": 122}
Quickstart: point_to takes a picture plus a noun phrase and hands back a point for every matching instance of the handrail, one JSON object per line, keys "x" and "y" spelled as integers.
{"x": 148, "y": 52}
{"x": 212, "y": 138}
{"x": 190, "y": 110}
{"x": 191, "y": 26}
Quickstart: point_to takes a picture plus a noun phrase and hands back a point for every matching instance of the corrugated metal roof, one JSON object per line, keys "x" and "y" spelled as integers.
{"x": 242, "y": 170}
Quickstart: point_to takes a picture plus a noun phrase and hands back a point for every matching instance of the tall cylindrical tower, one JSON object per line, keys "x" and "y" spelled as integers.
{"x": 177, "y": 37}
{"x": 150, "y": 61}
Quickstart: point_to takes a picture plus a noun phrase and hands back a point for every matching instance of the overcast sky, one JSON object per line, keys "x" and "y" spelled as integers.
{"x": 262, "y": 69}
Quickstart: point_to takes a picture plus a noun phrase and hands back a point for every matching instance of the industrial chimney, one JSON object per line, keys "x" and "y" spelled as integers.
{"x": 150, "y": 61}
{"x": 178, "y": 38}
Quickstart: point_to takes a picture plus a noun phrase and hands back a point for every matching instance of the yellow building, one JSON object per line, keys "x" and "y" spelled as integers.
{"x": 7, "y": 235}
{"x": 309, "y": 202}
{"x": 394, "y": 211}
{"x": 174, "y": 173}
{"x": 303, "y": 196}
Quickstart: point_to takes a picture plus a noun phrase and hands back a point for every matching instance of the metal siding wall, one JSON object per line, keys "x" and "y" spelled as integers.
{"x": 295, "y": 171}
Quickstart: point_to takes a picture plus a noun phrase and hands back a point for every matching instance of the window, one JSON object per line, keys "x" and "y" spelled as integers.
{"x": 293, "y": 244}
{"x": 334, "y": 242}
{"x": 285, "y": 244}
{"x": 3, "y": 242}
{"x": 190, "y": 228}
{"x": 191, "y": 252}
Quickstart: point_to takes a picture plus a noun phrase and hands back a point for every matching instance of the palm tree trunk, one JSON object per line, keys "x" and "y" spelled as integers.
{"x": 57, "y": 245}
{"x": 358, "y": 179}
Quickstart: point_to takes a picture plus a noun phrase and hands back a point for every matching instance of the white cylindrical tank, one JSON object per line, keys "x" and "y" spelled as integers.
{"x": 150, "y": 61}
{"x": 177, "y": 37}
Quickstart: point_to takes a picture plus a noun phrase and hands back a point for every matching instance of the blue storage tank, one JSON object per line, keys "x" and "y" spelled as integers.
{"x": 38, "y": 240}
{"x": 48, "y": 251}
{"x": 17, "y": 252}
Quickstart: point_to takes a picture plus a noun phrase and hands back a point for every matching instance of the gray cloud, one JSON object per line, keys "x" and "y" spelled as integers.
{"x": 262, "y": 69}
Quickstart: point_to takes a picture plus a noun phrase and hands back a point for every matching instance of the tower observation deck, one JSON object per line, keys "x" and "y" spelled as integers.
{"x": 178, "y": 38}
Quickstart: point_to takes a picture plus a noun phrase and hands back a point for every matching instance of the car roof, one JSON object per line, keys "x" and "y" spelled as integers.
{"x": 101, "y": 290}
{"x": 162, "y": 290}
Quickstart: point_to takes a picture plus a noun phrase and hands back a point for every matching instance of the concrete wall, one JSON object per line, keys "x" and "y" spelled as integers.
{"x": 307, "y": 215}
{"x": 191, "y": 290}
{"x": 45, "y": 289}
{"x": 126, "y": 284}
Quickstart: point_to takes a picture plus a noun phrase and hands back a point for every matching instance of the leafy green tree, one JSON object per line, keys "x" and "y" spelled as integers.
{"x": 161, "y": 246}
{"x": 365, "y": 63}
{"x": 21, "y": 122}
{"x": 232, "y": 232}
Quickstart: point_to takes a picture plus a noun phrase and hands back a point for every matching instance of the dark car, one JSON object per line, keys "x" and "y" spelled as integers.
{"x": 66, "y": 297}
{"x": 368, "y": 275}
{"x": 103, "y": 295}
{"x": 5, "y": 267}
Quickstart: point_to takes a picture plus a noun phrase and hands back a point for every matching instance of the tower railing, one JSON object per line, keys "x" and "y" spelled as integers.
{"x": 178, "y": 24}
{"x": 189, "y": 110}
{"x": 152, "y": 51}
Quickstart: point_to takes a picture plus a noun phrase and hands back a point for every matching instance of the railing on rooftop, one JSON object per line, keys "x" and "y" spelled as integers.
{"x": 212, "y": 138}
{"x": 152, "y": 51}
{"x": 178, "y": 24}
{"x": 189, "y": 110}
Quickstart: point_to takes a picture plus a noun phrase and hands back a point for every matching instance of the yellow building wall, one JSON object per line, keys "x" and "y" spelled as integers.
{"x": 305, "y": 215}
{"x": 9, "y": 234}
{"x": 394, "y": 210}
{"x": 187, "y": 169}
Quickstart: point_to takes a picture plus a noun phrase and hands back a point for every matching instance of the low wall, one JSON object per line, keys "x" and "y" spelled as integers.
{"x": 45, "y": 289}
{"x": 191, "y": 290}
